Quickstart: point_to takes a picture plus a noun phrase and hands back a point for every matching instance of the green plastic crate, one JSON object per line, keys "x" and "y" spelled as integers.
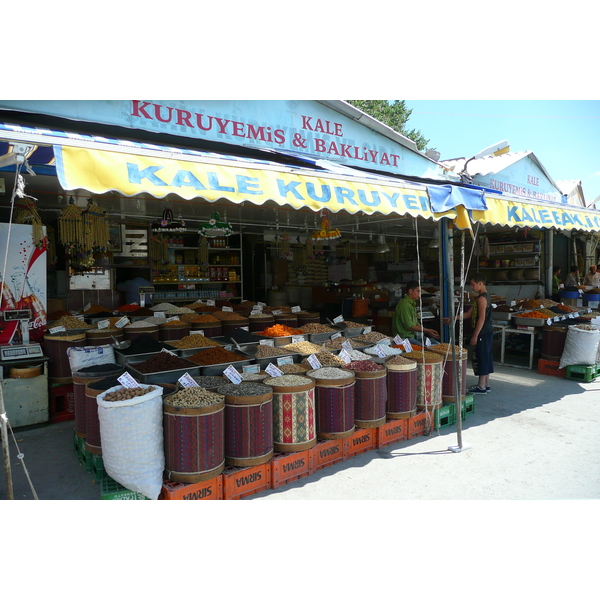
{"x": 111, "y": 490}
{"x": 444, "y": 416}
{"x": 583, "y": 373}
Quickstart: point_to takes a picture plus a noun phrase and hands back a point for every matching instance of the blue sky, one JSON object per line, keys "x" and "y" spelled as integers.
{"x": 563, "y": 134}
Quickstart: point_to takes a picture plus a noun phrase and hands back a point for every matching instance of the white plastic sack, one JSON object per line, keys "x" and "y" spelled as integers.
{"x": 86, "y": 356}
{"x": 581, "y": 347}
{"x": 132, "y": 440}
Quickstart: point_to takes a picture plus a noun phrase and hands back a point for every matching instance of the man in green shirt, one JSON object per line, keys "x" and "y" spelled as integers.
{"x": 405, "y": 322}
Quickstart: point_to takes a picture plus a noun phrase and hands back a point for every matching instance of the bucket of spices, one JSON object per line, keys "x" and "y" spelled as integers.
{"x": 261, "y": 322}
{"x": 248, "y": 423}
{"x": 294, "y": 427}
{"x": 402, "y": 387}
{"x": 553, "y": 342}
{"x": 194, "y": 434}
{"x": 429, "y": 377}
{"x": 134, "y": 330}
{"x": 445, "y": 350}
{"x": 173, "y": 330}
{"x": 101, "y": 337}
{"x": 55, "y": 348}
{"x": 81, "y": 378}
{"x": 334, "y": 402}
{"x": 370, "y": 393}
{"x": 93, "y": 389}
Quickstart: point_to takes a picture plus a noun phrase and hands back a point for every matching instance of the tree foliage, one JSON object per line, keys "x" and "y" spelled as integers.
{"x": 394, "y": 114}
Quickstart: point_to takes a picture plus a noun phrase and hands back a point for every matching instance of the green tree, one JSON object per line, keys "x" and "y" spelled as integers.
{"x": 394, "y": 114}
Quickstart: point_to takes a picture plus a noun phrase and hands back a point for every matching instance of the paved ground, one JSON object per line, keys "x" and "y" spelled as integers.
{"x": 533, "y": 437}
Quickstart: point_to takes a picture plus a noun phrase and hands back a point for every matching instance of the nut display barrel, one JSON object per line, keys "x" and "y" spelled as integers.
{"x": 402, "y": 391}
{"x": 101, "y": 337}
{"x": 229, "y": 327}
{"x": 448, "y": 374}
{"x": 291, "y": 320}
{"x": 132, "y": 332}
{"x": 80, "y": 379}
{"x": 210, "y": 383}
{"x": 294, "y": 427}
{"x": 553, "y": 341}
{"x": 211, "y": 329}
{"x": 260, "y": 323}
{"x": 370, "y": 398}
{"x": 248, "y": 429}
{"x": 167, "y": 333}
{"x": 194, "y": 441}
{"x": 430, "y": 373}
{"x": 55, "y": 348}
{"x": 334, "y": 406}
{"x": 308, "y": 317}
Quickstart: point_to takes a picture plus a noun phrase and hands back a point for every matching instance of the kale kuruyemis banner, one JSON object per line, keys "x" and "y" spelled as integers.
{"x": 100, "y": 171}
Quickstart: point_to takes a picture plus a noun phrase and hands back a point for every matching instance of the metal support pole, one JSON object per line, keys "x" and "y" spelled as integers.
{"x": 5, "y": 449}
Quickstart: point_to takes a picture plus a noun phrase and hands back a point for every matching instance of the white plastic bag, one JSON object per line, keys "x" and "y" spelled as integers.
{"x": 581, "y": 347}
{"x": 86, "y": 356}
{"x": 131, "y": 432}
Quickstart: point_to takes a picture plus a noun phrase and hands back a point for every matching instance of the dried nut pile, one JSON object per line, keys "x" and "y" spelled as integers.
{"x": 216, "y": 356}
{"x": 65, "y": 336}
{"x": 176, "y": 323}
{"x": 295, "y": 368}
{"x": 194, "y": 340}
{"x": 178, "y": 310}
{"x": 244, "y": 389}
{"x": 373, "y": 338}
{"x": 127, "y": 393}
{"x": 362, "y": 366}
{"x": 327, "y": 359}
{"x": 337, "y": 343}
{"x": 446, "y": 349}
{"x": 208, "y": 382}
{"x": 193, "y": 397}
{"x": 317, "y": 328}
{"x": 586, "y": 327}
{"x": 255, "y": 376}
{"x": 70, "y": 322}
{"x": 352, "y": 325}
{"x": 329, "y": 373}
{"x": 266, "y": 351}
{"x": 302, "y": 347}
{"x": 288, "y": 381}
{"x": 399, "y": 360}
{"x": 388, "y": 350}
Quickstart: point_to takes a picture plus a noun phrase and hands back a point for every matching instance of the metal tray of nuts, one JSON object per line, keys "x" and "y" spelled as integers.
{"x": 162, "y": 376}
{"x": 122, "y": 359}
{"x": 319, "y": 338}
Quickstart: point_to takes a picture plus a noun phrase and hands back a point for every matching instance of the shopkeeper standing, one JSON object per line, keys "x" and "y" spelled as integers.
{"x": 555, "y": 284}
{"x": 405, "y": 322}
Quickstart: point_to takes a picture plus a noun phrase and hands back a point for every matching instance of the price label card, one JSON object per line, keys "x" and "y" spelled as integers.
{"x": 232, "y": 374}
{"x": 168, "y": 351}
{"x": 126, "y": 380}
{"x": 513, "y": 303}
{"x": 575, "y": 315}
{"x": 571, "y": 316}
{"x": 596, "y": 321}
{"x": 261, "y": 304}
{"x": 285, "y": 360}
{"x": 296, "y": 339}
{"x": 273, "y": 371}
{"x": 380, "y": 351}
{"x": 186, "y": 380}
{"x": 276, "y": 312}
{"x": 251, "y": 368}
{"x": 296, "y": 309}
{"x": 246, "y": 328}
{"x": 555, "y": 319}
{"x": 210, "y": 303}
{"x": 160, "y": 315}
{"x": 338, "y": 319}
{"x": 103, "y": 324}
{"x": 407, "y": 346}
{"x": 347, "y": 346}
{"x": 57, "y": 329}
{"x": 255, "y": 312}
{"x": 335, "y": 336}
{"x": 367, "y": 330}
{"x": 122, "y": 322}
{"x": 398, "y": 340}
{"x": 81, "y": 317}
{"x": 199, "y": 331}
{"x": 548, "y": 321}
{"x": 495, "y": 305}
{"x": 345, "y": 356}
{"x": 87, "y": 307}
{"x": 169, "y": 319}
{"x": 257, "y": 308}
{"x": 314, "y": 362}
{"x": 266, "y": 343}
{"x": 377, "y": 296}
{"x": 541, "y": 305}
{"x": 427, "y": 342}
{"x": 227, "y": 309}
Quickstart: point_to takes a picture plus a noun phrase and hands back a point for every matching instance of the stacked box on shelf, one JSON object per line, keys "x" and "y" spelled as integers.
{"x": 326, "y": 453}
{"x": 212, "y": 489}
{"x": 111, "y": 490}
{"x": 289, "y": 467}
{"x": 239, "y": 482}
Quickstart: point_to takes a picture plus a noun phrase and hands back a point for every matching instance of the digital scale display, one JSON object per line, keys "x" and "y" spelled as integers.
{"x": 17, "y": 315}
{"x": 20, "y": 351}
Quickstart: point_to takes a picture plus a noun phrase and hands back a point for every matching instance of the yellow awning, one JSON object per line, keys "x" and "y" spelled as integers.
{"x": 100, "y": 171}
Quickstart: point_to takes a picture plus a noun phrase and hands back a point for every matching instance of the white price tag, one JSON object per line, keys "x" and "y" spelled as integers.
{"x": 261, "y": 304}
{"x": 548, "y": 321}
{"x": 398, "y": 340}
{"x": 126, "y": 380}
{"x": 210, "y": 303}
{"x": 160, "y": 315}
{"x": 57, "y": 329}
{"x": 186, "y": 380}
{"x": 338, "y": 319}
{"x": 596, "y": 321}
{"x": 232, "y": 374}
{"x": 367, "y": 330}
{"x": 122, "y": 322}
{"x": 81, "y": 317}
{"x": 169, "y": 319}
{"x": 103, "y": 324}
{"x": 198, "y": 331}
{"x": 513, "y": 303}
{"x": 296, "y": 309}
{"x": 246, "y": 328}
{"x": 276, "y": 312}
{"x": 575, "y": 315}
{"x": 495, "y": 305}
{"x": 335, "y": 336}
{"x": 555, "y": 319}
{"x": 380, "y": 351}
{"x": 87, "y": 307}
{"x": 273, "y": 371}
{"x": 168, "y": 351}
{"x": 347, "y": 346}
{"x": 285, "y": 360}
{"x": 296, "y": 339}
{"x": 407, "y": 346}
{"x": 571, "y": 316}
{"x": 227, "y": 309}
{"x": 257, "y": 308}
{"x": 266, "y": 343}
{"x": 251, "y": 368}
{"x": 427, "y": 342}
{"x": 345, "y": 356}
{"x": 314, "y": 362}
{"x": 541, "y": 305}
{"x": 255, "y": 312}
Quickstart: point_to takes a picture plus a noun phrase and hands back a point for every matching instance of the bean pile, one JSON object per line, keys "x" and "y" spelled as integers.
{"x": 317, "y": 328}
{"x": 329, "y": 373}
{"x": 176, "y": 323}
{"x": 399, "y": 360}
{"x": 215, "y": 356}
{"x": 294, "y": 368}
{"x": 303, "y": 348}
{"x": 178, "y": 310}
{"x": 70, "y": 322}
{"x": 266, "y": 351}
{"x": 352, "y": 325}
{"x": 288, "y": 380}
{"x": 193, "y": 397}
{"x": 586, "y": 327}
{"x": 163, "y": 361}
{"x": 255, "y": 376}
{"x": 357, "y": 355}
{"x": 208, "y": 382}
{"x": 244, "y": 389}
{"x": 362, "y": 366}
{"x": 447, "y": 349}
{"x": 194, "y": 340}
{"x": 327, "y": 359}
{"x": 337, "y": 343}
{"x": 154, "y": 320}
{"x": 127, "y": 393}
{"x": 372, "y": 338}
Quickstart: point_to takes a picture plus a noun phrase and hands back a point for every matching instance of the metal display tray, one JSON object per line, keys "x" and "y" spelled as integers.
{"x": 162, "y": 376}
{"x": 317, "y": 338}
{"x": 219, "y": 368}
{"x": 186, "y": 352}
{"x": 264, "y": 362}
{"x": 529, "y": 322}
{"x": 122, "y": 359}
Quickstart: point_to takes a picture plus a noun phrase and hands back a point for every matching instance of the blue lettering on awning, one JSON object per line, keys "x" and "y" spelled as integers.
{"x": 136, "y": 176}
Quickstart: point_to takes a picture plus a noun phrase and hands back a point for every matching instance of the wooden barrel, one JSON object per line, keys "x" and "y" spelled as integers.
{"x": 229, "y": 327}
{"x": 101, "y": 337}
{"x": 291, "y": 320}
{"x": 553, "y": 342}
{"x": 210, "y": 329}
{"x": 248, "y": 429}
{"x": 293, "y": 414}
{"x": 308, "y": 317}
{"x": 402, "y": 391}
{"x": 370, "y": 396}
{"x": 167, "y": 333}
{"x": 334, "y": 406}
{"x": 194, "y": 441}
{"x": 260, "y": 323}
{"x": 80, "y": 379}
{"x": 448, "y": 374}
{"x": 55, "y": 348}
{"x": 132, "y": 332}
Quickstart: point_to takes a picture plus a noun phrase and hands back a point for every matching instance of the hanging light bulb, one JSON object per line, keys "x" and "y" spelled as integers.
{"x": 381, "y": 246}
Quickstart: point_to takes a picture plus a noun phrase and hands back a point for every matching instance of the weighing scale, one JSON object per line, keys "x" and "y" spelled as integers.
{"x": 143, "y": 291}
{"x": 25, "y": 399}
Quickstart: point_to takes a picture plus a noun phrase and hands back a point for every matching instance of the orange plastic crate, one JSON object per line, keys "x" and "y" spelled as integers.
{"x": 326, "y": 453}
{"x": 205, "y": 490}
{"x": 239, "y": 482}
{"x": 362, "y": 440}
{"x": 289, "y": 467}
{"x": 418, "y": 424}
{"x": 392, "y": 432}
{"x": 550, "y": 367}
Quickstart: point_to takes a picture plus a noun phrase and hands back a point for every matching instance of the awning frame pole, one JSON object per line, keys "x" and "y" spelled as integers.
{"x": 5, "y": 448}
